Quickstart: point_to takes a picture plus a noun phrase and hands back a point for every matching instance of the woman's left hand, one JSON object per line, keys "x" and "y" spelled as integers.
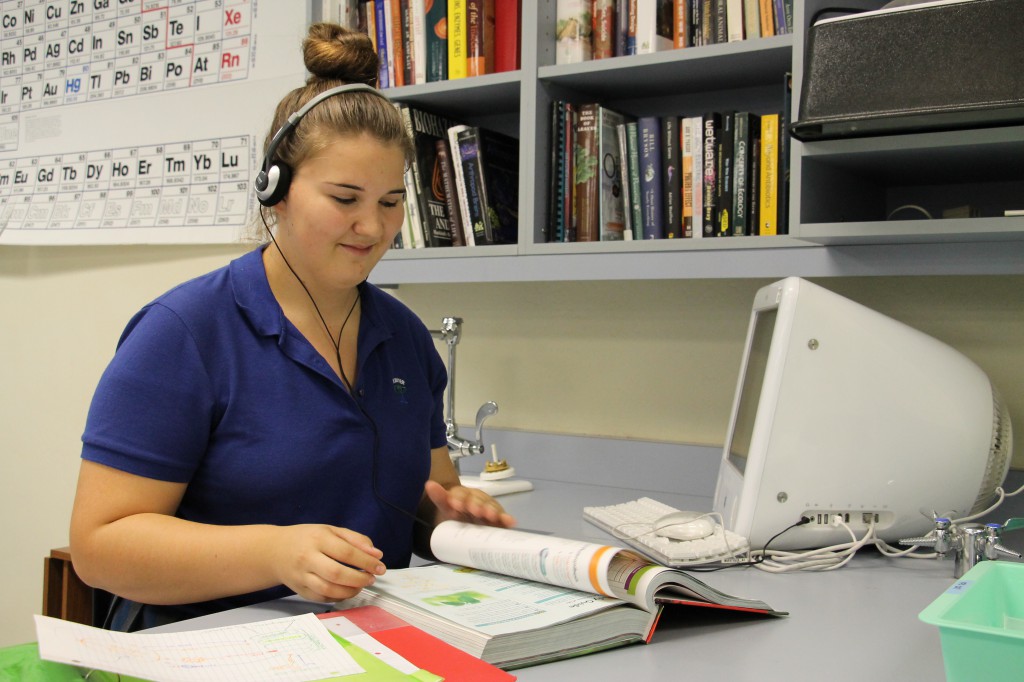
{"x": 470, "y": 505}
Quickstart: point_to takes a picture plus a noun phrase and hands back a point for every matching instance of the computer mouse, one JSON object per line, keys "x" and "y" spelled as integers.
{"x": 684, "y": 526}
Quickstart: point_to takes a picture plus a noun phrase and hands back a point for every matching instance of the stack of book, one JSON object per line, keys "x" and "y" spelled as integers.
{"x": 462, "y": 188}
{"x": 615, "y": 177}
{"x": 598, "y": 29}
{"x": 422, "y": 41}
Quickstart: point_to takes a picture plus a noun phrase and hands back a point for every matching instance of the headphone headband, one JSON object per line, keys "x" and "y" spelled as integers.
{"x": 272, "y": 181}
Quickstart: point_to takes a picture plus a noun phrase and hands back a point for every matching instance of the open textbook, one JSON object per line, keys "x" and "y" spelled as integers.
{"x": 515, "y": 598}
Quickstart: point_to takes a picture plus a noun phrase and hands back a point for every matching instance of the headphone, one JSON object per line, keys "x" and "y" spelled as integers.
{"x": 274, "y": 177}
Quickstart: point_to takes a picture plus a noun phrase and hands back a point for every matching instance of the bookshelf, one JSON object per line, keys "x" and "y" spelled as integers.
{"x": 841, "y": 191}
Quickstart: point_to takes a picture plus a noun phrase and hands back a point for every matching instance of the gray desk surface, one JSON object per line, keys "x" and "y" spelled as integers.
{"x": 855, "y": 623}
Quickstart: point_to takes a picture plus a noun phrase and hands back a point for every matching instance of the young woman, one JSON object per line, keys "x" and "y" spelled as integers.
{"x": 276, "y": 426}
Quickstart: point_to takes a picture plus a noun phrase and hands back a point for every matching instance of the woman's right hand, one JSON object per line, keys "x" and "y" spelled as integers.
{"x": 325, "y": 563}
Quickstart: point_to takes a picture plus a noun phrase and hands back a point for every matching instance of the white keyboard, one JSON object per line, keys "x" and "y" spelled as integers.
{"x": 634, "y": 523}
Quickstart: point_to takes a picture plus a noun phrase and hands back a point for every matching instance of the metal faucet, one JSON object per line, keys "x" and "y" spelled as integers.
{"x": 458, "y": 447}
{"x": 969, "y": 542}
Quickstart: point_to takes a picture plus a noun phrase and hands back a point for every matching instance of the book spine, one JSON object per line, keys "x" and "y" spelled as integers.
{"x": 476, "y": 59}
{"x": 586, "y": 157}
{"x": 697, "y": 143}
{"x": 755, "y": 180}
{"x": 621, "y": 27}
{"x": 767, "y": 18}
{"x": 696, "y": 22}
{"x": 721, "y": 22}
{"x": 707, "y": 26}
{"x": 507, "y": 21}
{"x": 498, "y": 158}
{"x": 635, "y": 196}
{"x": 741, "y": 173}
{"x": 686, "y": 144}
{"x": 460, "y": 183}
{"x": 380, "y": 23}
{"x": 489, "y": 18}
{"x": 418, "y": 22}
{"x": 603, "y": 29}
{"x": 624, "y": 181}
{"x": 784, "y": 152}
{"x": 437, "y": 40}
{"x": 399, "y": 40}
{"x": 554, "y": 231}
{"x": 671, "y": 178}
{"x": 751, "y": 19}
{"x": 712, "y": 126}
{"x": 370, "y": 14}
{"x": 631, "y": 26}
{"x": 573, "y": 32}
{"x": 768, "y": 221}
{"x": 568, "y": 180}
{"x": 472, "y": 174}
{"x": 649, "y": 130}
{"x": 612, "y": 209}
{"x": 456, "y": 39}
{"x": 451, "y": 197}
{"x": 653, "y": 26}
{"x": 734, "y": 19}
{"x": 680, "y": 24}
{"x": 780, "y": 17}
{"x": 724, "y": 177}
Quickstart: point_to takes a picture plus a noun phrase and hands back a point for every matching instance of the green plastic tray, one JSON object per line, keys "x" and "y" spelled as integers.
{"x": 981, "y": 623}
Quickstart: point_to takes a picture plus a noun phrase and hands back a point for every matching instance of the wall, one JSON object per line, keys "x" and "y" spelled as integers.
{"x": 649, "y": 360}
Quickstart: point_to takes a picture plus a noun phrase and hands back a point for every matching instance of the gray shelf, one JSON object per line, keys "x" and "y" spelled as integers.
{"x": 842, "y": 194}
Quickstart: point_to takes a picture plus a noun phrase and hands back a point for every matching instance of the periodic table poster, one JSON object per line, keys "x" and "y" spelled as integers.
{"x": 138, "y": 121}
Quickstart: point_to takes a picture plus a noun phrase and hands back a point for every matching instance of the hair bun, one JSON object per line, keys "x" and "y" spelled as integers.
{"x": 333, "y": 52}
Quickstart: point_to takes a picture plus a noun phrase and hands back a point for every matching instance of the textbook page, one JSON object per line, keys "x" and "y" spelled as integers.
{"x": 589, "y": 567}
{"x": 482, "y": 601}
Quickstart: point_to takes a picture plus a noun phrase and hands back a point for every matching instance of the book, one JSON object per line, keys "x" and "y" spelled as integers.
{"x": 611, "y": 217}
{"x": 514, "y": 598}
{"x": 381, "y": 21}
{"x": 768, "y": 221}
{"x": 573, "y": 32}
{"x": 460, "y": 183}
{"x": 751, "y": 19}
{"x": 654, "y": 26}
{"x": 711, "y": 126}
{"x": 418, "y": 21}
{"x": 555, "y": 228}
{"x": 396, "y": 46}
{"x": 451, "y": 193}
{"x": 784, "y": 153}
{"x": 457, "y": 39}
{"x": 437, "y": 40}
{"x": 651, "y": 207}
{"x": 631, "y": 6}
{"x": 368, "y": 628}
{"x": 586, "y": 173}
{"x": 426, "y": 128}
{"x": 686, "y": 145}
{"x": 624, "y": 179}
{"x": 671, "y": 177}
{"x": 490, "y": 171}
{"x": 734, "y": 20}
{"x": 479, "y": 37}
{"x": 603, "y": 29}
{"x": 681, "y": 24}
{"x": 507, "y": 39}
{"x": 767, "y": 13}
{"x": 633, "y": 166}
{"x": 568, "y": 178}
{"x": 746, "y": 128}
{"x": 697, "y": 146}
{"x": 723, "y": 176}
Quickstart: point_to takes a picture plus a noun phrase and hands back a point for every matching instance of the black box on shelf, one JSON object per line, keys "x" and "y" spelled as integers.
{"x": 943, "y": 65}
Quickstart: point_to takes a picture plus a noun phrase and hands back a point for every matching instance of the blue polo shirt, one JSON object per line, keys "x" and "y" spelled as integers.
{"x": 212, "y": 386}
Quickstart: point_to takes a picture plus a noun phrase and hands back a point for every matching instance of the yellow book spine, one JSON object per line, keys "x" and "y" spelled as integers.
{"x": 768, "y": 218}
{"x": 458, "y": 39}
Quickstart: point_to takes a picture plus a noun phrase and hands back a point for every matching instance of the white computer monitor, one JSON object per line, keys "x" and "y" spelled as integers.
{"x": 842, "y": 410}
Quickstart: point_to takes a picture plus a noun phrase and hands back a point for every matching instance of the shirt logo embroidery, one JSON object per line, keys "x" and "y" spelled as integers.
{"x": 400, "y": 388}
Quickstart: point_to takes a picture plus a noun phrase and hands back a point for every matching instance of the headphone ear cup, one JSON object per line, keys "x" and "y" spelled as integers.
{"x": 278, "y": 179}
